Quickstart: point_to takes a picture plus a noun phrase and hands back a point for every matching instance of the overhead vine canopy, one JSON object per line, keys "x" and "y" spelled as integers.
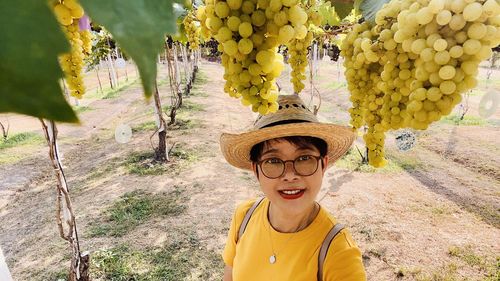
{"x": 29, "y": 69}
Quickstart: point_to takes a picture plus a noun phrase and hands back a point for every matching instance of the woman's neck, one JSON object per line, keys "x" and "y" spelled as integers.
{"x": 289, "y": 223}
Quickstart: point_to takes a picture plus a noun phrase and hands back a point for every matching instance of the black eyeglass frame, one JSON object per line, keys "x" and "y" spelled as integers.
{"x": 259, "y": 164}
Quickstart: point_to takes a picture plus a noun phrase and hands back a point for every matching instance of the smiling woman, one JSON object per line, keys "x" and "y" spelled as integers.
{"x": 287, "y": 235}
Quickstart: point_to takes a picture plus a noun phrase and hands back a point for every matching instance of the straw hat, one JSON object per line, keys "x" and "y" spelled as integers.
{"x": 236, "y": 147}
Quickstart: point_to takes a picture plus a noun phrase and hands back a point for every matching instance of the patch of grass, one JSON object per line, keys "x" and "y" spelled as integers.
{"x": 58, "y": 275}
{"x": 135, "y": 208}
{"x": 10, "y": 158}
{"x": 187, "y": 105}
{"x": 352, "y": 160}
{"x": 490, "y": 82}
{"x": 144, "y": 164}
{"x": 80, "y": 109}
{"x": 407, "y": 271}
{"x": 475, "y": 92}
{"x": 176, "y": 261}
{"x": 185, "y": 124}
{"x": 27, "y": 138}
{"x": 447, "y": 272}
{"x": 113, "y": 93}
{"x": 199, "y": 82}
{"x": 103, "y": 169}
{"x": 467, "y": 255}
{"x": 47, "y": 274}
{"x": 335, "y": 85}
{"x": 145, "y": 126}
{"x": 491, "y": 269}
{"x": 439, "y": 210}
{"x": 454, "y": 119}
{"x": 191, "y": 106}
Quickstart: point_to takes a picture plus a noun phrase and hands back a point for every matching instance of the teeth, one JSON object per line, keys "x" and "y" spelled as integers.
{"x": 291, "y": 192}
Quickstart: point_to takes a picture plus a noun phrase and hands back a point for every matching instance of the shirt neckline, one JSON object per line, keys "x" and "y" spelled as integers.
{"x": 310, "y": 230}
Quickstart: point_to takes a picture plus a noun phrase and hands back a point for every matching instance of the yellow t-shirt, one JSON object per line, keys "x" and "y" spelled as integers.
{"x": 296, "y": 253}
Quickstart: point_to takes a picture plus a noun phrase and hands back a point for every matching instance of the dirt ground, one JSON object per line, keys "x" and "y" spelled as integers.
{"x": 432, "y": 214}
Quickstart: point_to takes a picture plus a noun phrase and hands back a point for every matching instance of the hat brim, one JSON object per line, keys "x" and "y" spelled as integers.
{"x": 236, "y": 147}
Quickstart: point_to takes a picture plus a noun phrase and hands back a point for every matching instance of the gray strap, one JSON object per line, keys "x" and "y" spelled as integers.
{"x": 324, "y": 248}
{"x": 246, "y": 219}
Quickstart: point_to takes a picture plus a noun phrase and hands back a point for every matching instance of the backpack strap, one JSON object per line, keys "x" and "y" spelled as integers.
{"x": 246, "y": 219}
{"x": 324, "y": 248}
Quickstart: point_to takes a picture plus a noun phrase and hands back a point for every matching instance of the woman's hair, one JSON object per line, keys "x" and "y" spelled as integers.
{"x": 298, "y": 141}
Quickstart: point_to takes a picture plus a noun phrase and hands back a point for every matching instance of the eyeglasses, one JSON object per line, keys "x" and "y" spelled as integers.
{"x": 304, "y": 165}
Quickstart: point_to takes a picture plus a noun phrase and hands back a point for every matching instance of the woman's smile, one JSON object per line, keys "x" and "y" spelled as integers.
{"x": 291, "y": 194}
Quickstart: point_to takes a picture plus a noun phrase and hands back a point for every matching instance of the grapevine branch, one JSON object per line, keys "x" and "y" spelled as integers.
{"x": 5, "y": 132}
{"x": 64, "y": 211}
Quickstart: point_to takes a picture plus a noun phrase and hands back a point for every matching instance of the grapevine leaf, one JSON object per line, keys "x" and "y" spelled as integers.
{"x": 328, "y": 15}
{"x": 342, "y": 7}
{"x": 29, "y": 70}
{"x": 139, "y": 27}
{"x": 369, "y": 8}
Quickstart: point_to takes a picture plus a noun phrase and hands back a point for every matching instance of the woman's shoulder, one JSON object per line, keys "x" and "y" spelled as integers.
{"x": 343, "y": 240}
{"x": 243, "y": 207}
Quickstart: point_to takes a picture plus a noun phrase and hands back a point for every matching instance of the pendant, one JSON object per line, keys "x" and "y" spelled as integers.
{"x": 272, "y": 259}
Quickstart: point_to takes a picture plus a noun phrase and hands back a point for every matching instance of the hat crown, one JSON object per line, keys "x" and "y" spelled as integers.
{"x": 291, "y": 108}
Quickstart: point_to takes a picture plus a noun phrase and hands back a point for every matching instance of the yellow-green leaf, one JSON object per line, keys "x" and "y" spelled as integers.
{"x": 139, "y": 27}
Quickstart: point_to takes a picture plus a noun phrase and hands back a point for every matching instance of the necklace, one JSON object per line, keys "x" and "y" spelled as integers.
{"x": 272, "y": 258}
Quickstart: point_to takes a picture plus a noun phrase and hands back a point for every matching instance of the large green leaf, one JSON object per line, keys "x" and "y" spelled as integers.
{"x": 139, "y": 27}
{"x": 328, "y": 15}
{"x": 342, "y": 7}
{"x": 29, "y": 71}
{"x": 369, "y": 8}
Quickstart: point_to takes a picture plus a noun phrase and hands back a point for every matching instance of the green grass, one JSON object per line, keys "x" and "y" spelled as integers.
{"x": 143, "y": 163}
{"x": 454, "y": 119}
{"x": 113, "y": 93}
{"x": 352, "y": 161}
{"x": 466, "y": 254}
{"x": 81, "y": 109}
{"x": 27, "y": 138}
{"x": 475, "y": 92}
{"x": 28, "y": 141}
{"x": 199, "y": 82}
{"x": 145, "y": 126}
{"x": 447, "y": 272}
{"x": 182, "y": 123}
{"x": 187, "y": 106}
{"x": 335, "y": 85}
{"x": 103, "y": 169}
{"x": 182, "y": 258}
{"x": 135, "y": 208}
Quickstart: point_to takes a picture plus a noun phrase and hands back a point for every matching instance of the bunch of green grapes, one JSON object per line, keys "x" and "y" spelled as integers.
{"x": 363, "y": 77}
{"x": 68, "y": 13}
{"x": 192, "y": 31}
{"x": 298, "y": 47}
{"x": 86, "y": 37}
{"x": 249, "y": 33}
{"x": 72, "y": 62}
{"x": 202, "y": 17}
{"x": 298, "y": 61}
{"x": 428, "y": 55}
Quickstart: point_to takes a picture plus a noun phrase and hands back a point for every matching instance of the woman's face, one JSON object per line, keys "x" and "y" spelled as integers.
{"x": 290, "y": 182}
